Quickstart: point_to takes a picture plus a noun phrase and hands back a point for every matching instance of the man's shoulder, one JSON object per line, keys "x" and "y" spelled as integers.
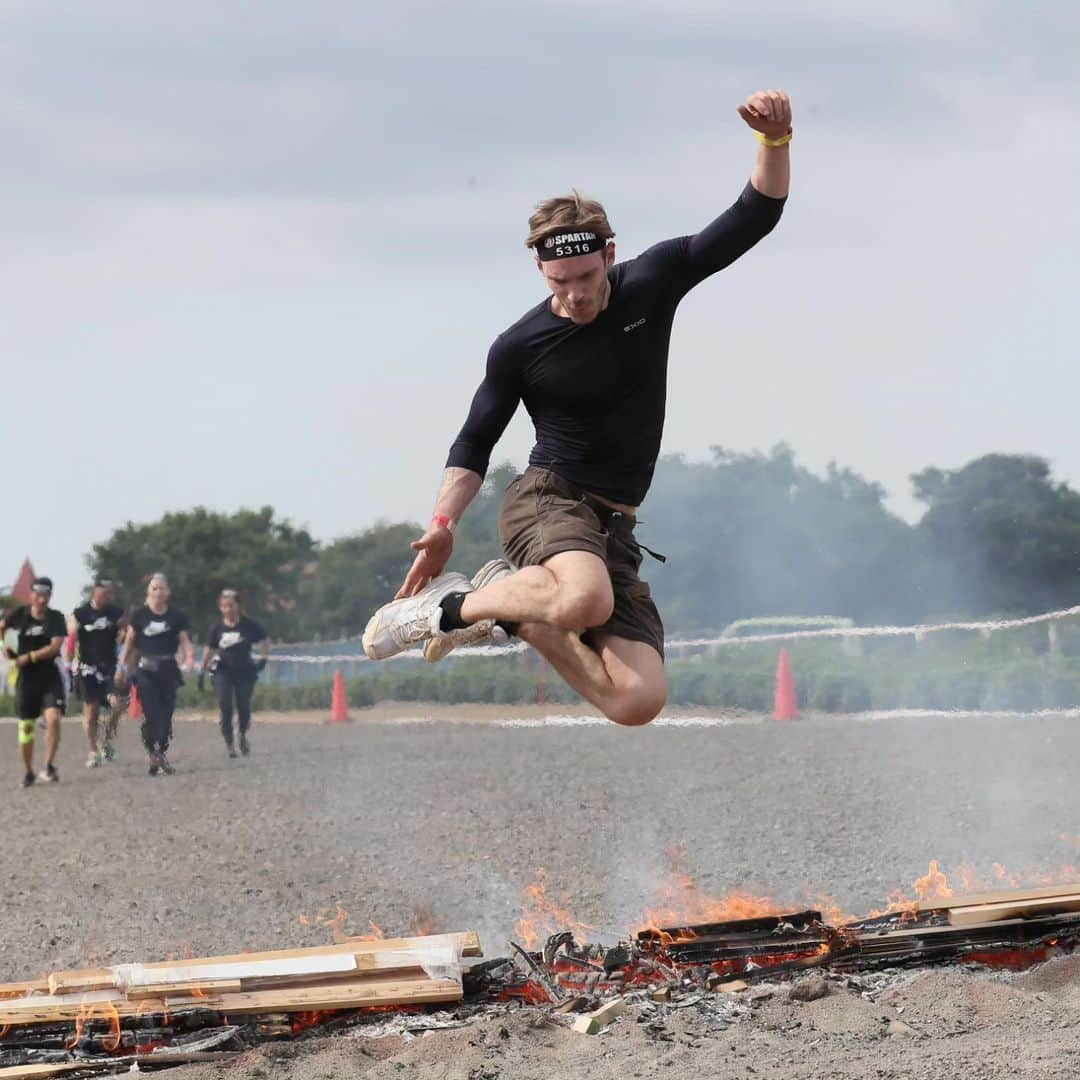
{"x": 654, "y": 259}
{"x": 16, "y": 616}
{"x": 521, "y": 331}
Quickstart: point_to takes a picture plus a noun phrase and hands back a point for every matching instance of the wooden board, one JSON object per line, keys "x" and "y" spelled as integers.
{"x": 337, "y": 996}
{"x": 19, "y": 989}
{"x": 595, "y": 1022}
{"x": 78, "y": 981}
{"x": 210, "y": 988}
{"x": 1001, "y": 896}
{"x": 1012, "y": 909}
{"x": 369, "y": 990}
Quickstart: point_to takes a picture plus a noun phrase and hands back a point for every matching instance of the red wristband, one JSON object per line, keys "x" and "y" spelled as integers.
{"x": 446, "y": 522}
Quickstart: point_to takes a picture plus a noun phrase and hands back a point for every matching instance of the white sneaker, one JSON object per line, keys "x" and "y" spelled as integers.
{"x": 401, "y": 623}
{"x": 94, "y": 759}
{"x": 477, "y": 632}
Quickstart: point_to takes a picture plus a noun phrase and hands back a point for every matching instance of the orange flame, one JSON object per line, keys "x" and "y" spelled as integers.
{"x": 107, "y": 1011}
{"x": 112, "y": 1043}
{"x": 543, "y": 915}
{"x": 681, "y": 901}
{"x": 335, "y": 918}
{"x": 934, "y": 885}
{"x": 80, "y": 1026}
{"x": 423, "y": 921}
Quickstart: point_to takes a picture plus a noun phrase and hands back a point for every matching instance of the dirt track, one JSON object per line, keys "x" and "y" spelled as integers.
{"x": 450, "y": 819}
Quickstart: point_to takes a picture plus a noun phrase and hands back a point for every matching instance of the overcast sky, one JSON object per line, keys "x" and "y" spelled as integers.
{"x": 256, "y": 252}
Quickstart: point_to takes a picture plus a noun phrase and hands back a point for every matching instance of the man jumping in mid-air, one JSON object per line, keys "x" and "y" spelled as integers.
{"x": 590, "y": 364}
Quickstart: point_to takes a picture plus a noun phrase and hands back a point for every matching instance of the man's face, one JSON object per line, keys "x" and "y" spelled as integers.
{"x": 580, "y": 284}
{"x": 102, "y": 596}
{"x": 39, "y": 598}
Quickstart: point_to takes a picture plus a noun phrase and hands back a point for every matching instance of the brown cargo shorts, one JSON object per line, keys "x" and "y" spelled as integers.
{"x": 543, "y": 515}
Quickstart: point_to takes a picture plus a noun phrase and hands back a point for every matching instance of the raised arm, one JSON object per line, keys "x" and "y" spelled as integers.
{"x": 769, "y": 114}
{"x": 688, "y": 260}
{"x": 493, "y": 406}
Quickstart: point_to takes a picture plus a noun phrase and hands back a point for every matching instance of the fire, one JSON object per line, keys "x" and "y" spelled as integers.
{"x": 80, "y": 1025}
{"x": 934, "y": 885}
{"x": 423, "y": 922}
{"x": 112, "y": 1043}
{"x": 107, "y": 1011}
{"x": 543, "y": 915}
{"x": 680, "y": 900}
{"x": 335, "y": 918}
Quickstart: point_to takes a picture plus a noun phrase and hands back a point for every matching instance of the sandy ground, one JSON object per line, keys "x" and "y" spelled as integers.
{"x": 443, "y": 816}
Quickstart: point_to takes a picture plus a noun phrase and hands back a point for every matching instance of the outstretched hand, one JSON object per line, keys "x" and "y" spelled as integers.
{"x": 768, "y": 111}
{"x": 433, "y": 553}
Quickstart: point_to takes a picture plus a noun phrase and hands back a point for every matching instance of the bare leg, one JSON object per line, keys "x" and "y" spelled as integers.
{"x": 624, "y": 679}
{"x": 52, "y": 735}
{"x": 571, "y": 590}
{"x": 90, "y": 724}
{"x": 113, "y": 720}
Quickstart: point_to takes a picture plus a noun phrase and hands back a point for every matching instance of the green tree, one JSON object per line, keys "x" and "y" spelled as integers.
{"x": 202, "y": 552}
{"x": 999, "y": 535}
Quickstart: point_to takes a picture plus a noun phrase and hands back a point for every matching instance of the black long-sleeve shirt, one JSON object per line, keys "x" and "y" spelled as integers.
{"x": 597, "y": 392}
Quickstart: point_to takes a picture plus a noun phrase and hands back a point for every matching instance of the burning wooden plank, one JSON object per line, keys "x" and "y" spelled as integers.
{"x": 355, "y": 974}
{"x": 1041, "y": 892}
{"x": 362, "y": 993}
{"x": 1011, "y": 908}
{"x": 381, "y": 955}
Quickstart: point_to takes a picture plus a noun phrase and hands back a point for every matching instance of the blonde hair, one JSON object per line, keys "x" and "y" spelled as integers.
{"x": 568, "y": 213}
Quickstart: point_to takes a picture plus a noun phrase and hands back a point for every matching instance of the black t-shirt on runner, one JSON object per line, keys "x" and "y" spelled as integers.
{"x": 158, "y": 635}
{"x": 596, "y": 393}
{"x": 234, "y": 642}
{"x": 36, "y": 634}
{"x": 97, "y": 634}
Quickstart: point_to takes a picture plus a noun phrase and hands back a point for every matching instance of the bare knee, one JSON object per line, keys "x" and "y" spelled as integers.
{"x": 637, "y": 708}
{"x": 580, "y": 607}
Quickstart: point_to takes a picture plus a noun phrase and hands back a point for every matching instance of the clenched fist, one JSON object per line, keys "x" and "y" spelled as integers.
{"x": 768, "y": 111}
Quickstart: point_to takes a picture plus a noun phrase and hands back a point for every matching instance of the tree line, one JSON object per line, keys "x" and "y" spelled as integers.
{"x": 744, "y": 534}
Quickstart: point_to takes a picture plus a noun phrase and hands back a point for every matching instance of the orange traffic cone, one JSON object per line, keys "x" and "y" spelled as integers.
{"x": 787, "y": 703}
{"x": 339, "y": 706}
{"x": 134, "y": 704}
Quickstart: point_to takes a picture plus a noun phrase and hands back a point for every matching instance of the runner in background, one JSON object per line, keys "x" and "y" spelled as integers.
{"x": 232, "y": 669}
{"x": 36, "y": 635}
{"x": 97, "y": 625}
{"x": 158, "y": 633}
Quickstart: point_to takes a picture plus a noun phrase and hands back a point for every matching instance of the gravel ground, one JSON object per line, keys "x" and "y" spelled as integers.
{"x": 445, "y": 819}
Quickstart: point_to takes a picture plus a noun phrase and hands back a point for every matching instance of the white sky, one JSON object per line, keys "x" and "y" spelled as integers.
{"x": 256, "y": 254}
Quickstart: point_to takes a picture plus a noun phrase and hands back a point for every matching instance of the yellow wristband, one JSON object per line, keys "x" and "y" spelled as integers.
{"x": 783, "y": 140}
{"x": 33, "y": 656}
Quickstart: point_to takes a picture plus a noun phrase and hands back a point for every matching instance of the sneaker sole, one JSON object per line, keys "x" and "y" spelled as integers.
{"x": 437, "y": 648}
